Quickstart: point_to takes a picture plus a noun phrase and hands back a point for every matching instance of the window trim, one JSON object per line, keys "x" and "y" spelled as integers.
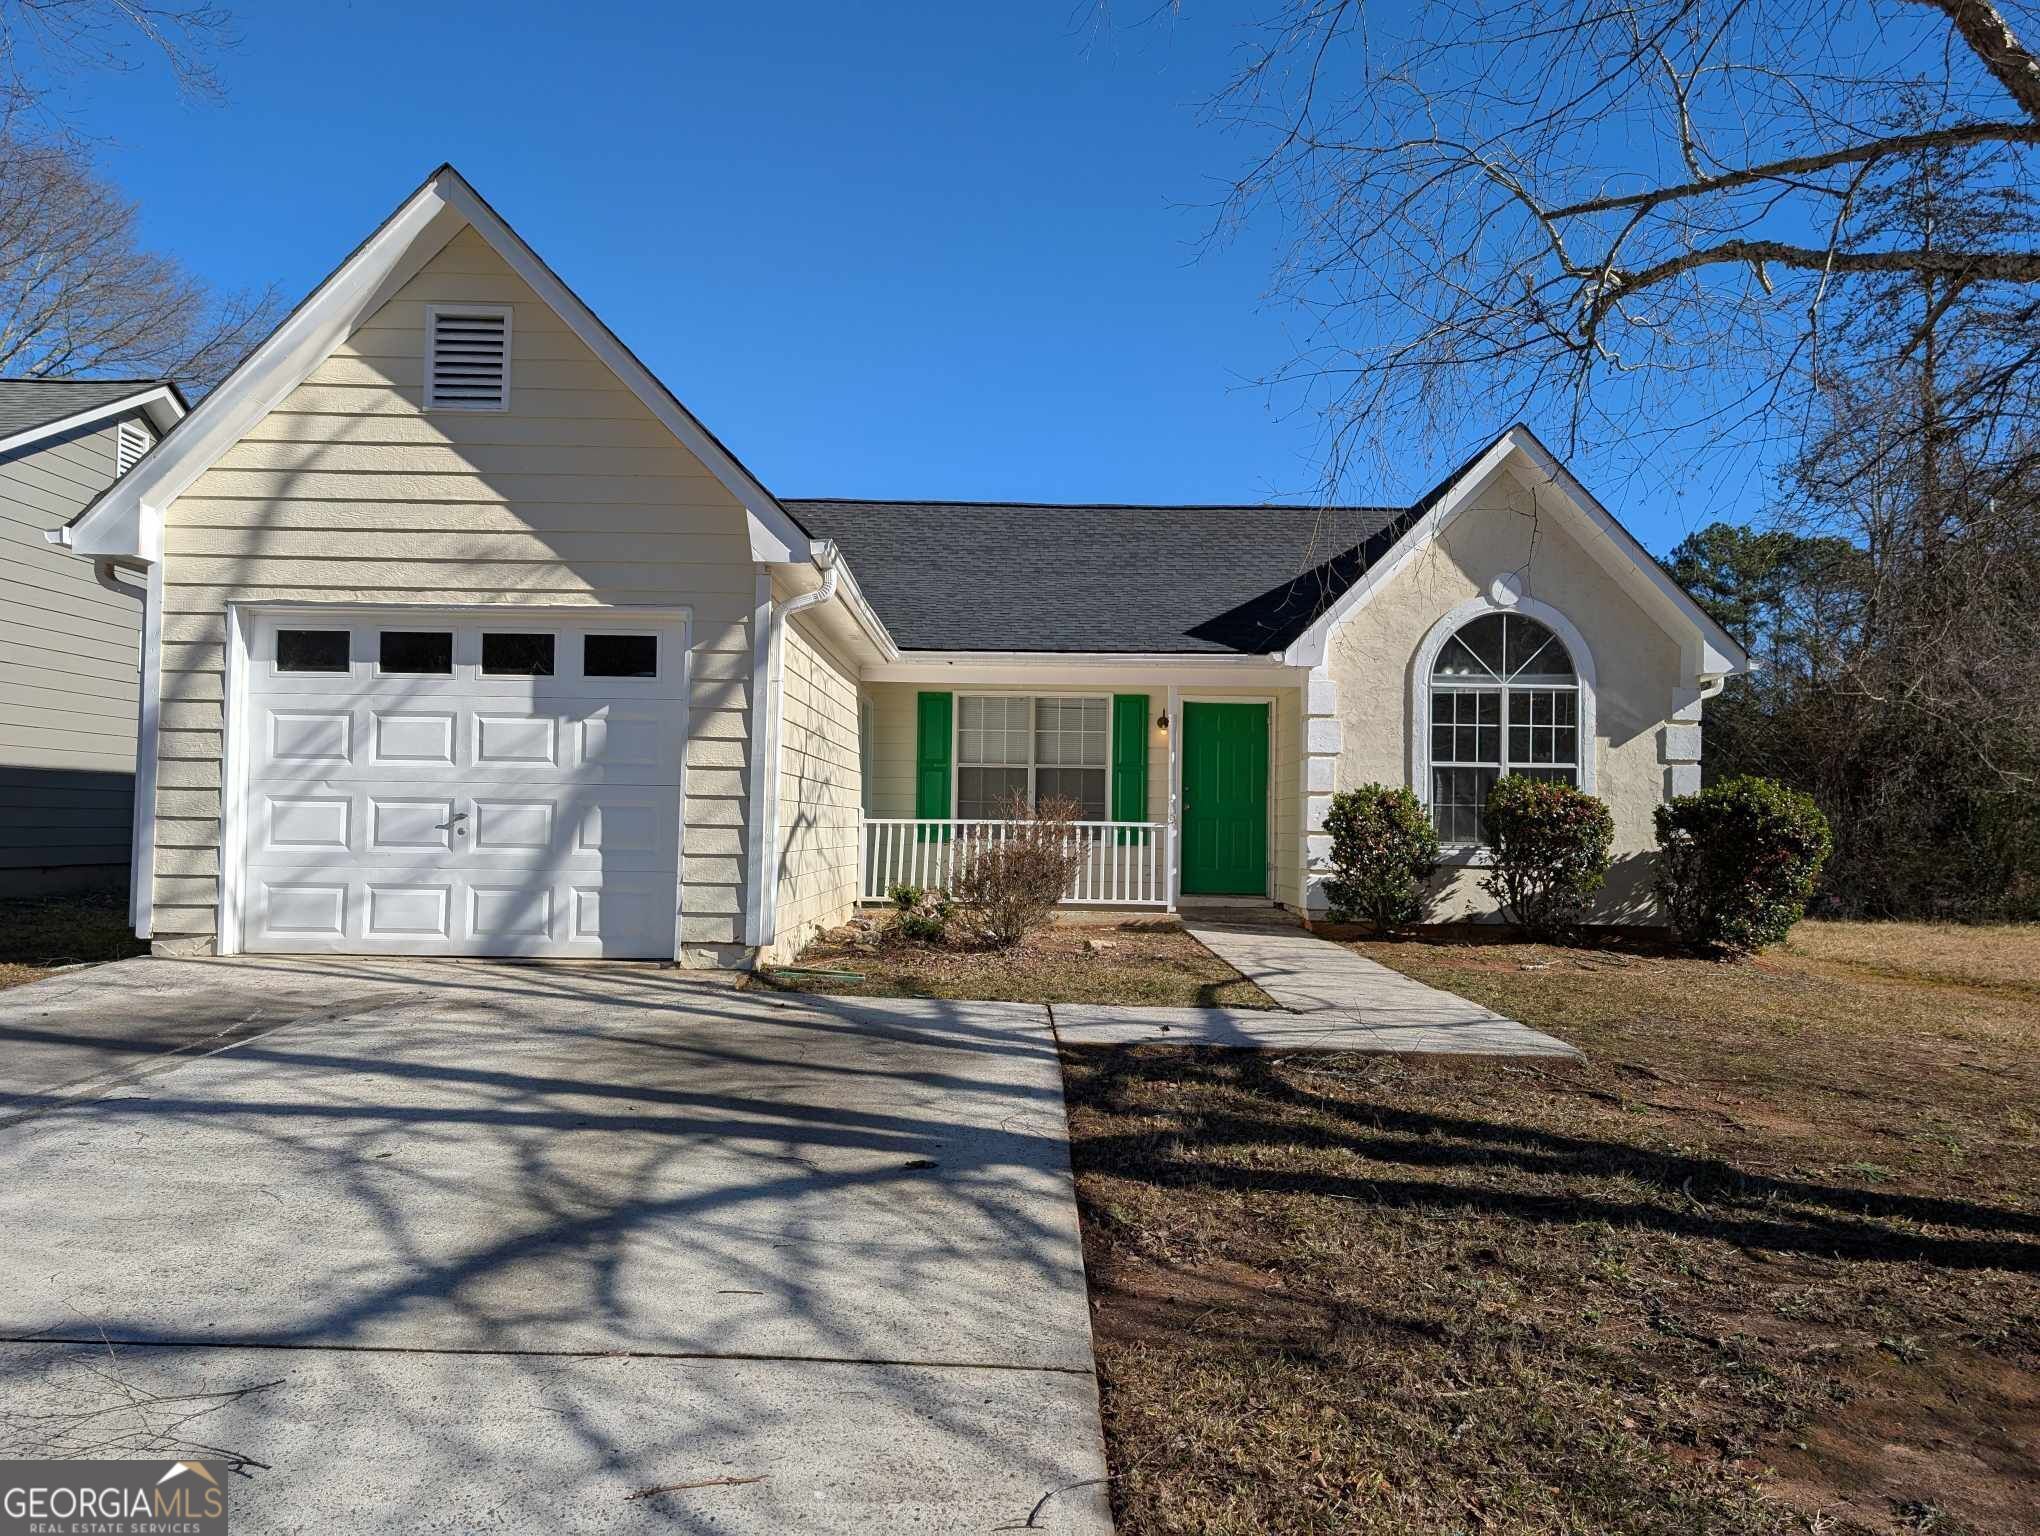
{"x": 1033, "y": 697}
{"x": 431, "y": 399}
{"x": 1420, "y": 685}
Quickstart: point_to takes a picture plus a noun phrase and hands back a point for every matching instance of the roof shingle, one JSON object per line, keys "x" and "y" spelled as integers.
{"x": 976, "y": 576}
{"x": 29, "y": 403}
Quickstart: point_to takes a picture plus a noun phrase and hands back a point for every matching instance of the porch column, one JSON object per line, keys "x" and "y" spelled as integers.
{"x": 1175, "y": 733}
{"x": 1324, "y": 735}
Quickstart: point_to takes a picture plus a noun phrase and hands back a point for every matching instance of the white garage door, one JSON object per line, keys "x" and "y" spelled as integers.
{"x": 486, "y": 782}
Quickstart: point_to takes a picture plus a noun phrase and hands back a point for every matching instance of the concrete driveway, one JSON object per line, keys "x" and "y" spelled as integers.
{"x": 436, "y": 1245}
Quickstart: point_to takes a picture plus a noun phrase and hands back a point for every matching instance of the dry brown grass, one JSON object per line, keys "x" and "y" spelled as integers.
{"x": 1149, "y": 961}
{"x": 40, "y": 934}
{"x": 2006, "y": 955}
{"x": 1769, "y": 1262}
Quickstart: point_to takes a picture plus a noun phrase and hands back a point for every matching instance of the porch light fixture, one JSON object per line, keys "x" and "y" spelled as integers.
{"x": 1164, "y": 721}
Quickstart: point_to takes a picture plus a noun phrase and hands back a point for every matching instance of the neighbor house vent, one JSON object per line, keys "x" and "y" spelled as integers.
{"x": 129, "y": 444}
{"x": 467, "y": 358}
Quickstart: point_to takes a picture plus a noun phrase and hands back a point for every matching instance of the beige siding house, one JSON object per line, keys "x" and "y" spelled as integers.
{"x": 462, "y": 636}
{"x": 69, "y": 644}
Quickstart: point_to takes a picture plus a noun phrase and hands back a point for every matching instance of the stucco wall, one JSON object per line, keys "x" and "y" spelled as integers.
{"x": 1637, "y": 667}
{"x": 820, "y": 790}
{"x": 349, "y": 492}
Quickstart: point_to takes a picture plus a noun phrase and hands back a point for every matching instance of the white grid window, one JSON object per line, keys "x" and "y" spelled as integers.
{"x": 1504, "y": 699}
{"x": 1035, "y": 749}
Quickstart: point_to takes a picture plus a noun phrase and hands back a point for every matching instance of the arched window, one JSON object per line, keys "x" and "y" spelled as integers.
{"x": 1505, "y": 698}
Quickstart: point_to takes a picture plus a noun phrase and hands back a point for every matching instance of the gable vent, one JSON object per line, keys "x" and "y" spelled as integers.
{"x": 129, "y": 444}
{"x": 467, "y": 358}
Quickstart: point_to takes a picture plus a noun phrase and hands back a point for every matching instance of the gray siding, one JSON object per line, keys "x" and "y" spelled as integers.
{"x": 69, "y": 656}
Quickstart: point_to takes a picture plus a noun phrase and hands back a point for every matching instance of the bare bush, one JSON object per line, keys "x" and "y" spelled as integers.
{"x": 1010, "y": 884}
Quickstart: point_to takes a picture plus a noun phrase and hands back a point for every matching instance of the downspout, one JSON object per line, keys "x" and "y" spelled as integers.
{"x": 103, "y": 572}
{"x": 824, "y": 555}
{"x": 141, "y": 827}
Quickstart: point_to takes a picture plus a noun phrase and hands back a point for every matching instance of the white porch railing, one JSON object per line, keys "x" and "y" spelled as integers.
{"x": 1126, "y": 863}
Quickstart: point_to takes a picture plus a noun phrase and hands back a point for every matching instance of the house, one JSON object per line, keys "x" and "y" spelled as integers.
{"x": 68, "y": 641}
{"x": 464, "y": 636}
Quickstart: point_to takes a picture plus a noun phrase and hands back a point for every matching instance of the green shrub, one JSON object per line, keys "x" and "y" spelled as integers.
{"x": 920, "y": 915}
{"x": 1383, "y": 851}
{"x": 1737, "y": 862}
{"x": 1549, "y": 843}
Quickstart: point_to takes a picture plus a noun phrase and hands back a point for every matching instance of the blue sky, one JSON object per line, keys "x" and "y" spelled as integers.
{"x": 882, "y": 250}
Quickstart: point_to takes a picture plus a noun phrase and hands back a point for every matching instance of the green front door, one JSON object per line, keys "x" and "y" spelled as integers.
{"x": 1225, "y": 799}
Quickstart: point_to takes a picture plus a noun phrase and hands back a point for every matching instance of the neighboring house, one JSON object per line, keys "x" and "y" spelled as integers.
{"x": 68, "y": 644}
{"x": 465, "y": 637}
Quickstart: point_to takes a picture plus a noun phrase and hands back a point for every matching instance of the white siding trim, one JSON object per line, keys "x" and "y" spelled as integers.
{"x": 128, "y": 519}
{"x": 142, "y": 854}
{"x": 233, "y": 775}
{"x": 757, "y": 855}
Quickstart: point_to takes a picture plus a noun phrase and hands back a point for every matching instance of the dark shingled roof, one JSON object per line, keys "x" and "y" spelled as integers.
{"x": 29, "y": 403}
{"x": 976, "y": 576}
{"x": 1022, "y": 576}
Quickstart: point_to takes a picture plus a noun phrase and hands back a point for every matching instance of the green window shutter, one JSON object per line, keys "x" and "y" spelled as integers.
{"x": 1129, "y": 759}
{"x": 934, "y": 716}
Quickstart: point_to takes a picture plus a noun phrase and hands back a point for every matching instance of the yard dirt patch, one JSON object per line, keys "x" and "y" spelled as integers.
{"x": 1768, "y": 1262}
{"x": 40, "y": 935}
{"x": 1146, "y": 961}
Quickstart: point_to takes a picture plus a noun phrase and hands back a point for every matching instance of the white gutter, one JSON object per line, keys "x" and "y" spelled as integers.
{"x": 765, "y": 824}
{"x": 103, "y": 572}
{"x": 142, "y": 839}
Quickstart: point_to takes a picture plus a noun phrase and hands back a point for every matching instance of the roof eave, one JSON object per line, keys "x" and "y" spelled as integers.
{"x": 1714, "y": 652}
{"x": 126, "y": 521}
{"x": 162, "y": 403}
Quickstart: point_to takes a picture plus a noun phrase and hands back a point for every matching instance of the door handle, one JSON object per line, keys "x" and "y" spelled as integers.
{"x": 454, "y": 822}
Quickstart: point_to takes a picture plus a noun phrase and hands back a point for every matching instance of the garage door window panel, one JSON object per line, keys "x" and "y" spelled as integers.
{"x": 614, "y": 655}
{"x": 314, "y": 650}
{"x": 415, "y": 653}
{"x": 517, "y": 654}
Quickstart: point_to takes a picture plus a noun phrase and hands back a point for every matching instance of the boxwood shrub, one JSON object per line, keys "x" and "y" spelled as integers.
{"x": 1383, "y": 852}
{"x": 1549, "y": 844}
{"x": 1737, "y": 862}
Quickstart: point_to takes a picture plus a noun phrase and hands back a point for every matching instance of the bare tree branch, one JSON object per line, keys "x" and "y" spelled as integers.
{"x": 1990, "y": 37}
{"x": 79, "y": 295}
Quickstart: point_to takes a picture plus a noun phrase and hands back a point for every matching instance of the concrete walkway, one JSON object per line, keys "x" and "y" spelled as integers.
{"x": 1334, "y": 1000}
{"x": 424, "y": 1245}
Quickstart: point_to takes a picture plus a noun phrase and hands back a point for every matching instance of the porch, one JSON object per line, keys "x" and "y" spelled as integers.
{"x": 1185, "y": 791}
{"x": 1124, "y": 864}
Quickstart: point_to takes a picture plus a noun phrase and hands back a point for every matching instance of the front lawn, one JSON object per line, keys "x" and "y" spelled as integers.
{"x": 40, "y": 934}
{"x": 1149, "y": 961}
{"x": 1769, "y": 1262}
